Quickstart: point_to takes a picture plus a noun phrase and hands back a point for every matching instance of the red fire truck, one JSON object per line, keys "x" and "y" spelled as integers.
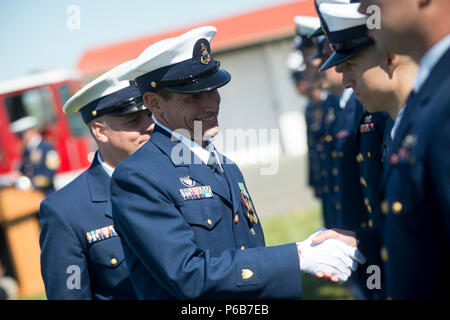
{"x": 42, "y": 95}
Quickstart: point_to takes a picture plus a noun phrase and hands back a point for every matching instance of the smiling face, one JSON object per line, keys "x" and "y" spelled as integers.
{"x": 120, "y": 137}
{"x": 188, "y": 112}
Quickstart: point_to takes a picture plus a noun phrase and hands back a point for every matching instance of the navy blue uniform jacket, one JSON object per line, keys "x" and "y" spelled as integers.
{"x": 416, "y": 193}
{"x": 203, "y": 248}
{"x": 40, "y": 165}
{"x": 74, "y": 241}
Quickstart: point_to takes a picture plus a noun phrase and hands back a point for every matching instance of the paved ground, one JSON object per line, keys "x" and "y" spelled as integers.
{"x": 283, "y": 192}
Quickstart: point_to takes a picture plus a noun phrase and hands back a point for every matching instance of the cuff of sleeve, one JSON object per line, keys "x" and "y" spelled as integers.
{"x": 284, "y": 267}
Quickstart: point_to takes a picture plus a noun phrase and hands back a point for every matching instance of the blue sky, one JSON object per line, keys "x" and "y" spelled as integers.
{"x": 34, "y": 34}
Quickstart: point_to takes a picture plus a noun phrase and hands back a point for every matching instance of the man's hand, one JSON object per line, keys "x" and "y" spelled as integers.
{"x": 332, "y": 255}
{"x": 345, "y": 236}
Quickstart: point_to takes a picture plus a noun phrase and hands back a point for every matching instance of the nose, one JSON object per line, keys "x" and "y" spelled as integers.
{"x": 213, "y": 100}
{"x": 149, "y": 123}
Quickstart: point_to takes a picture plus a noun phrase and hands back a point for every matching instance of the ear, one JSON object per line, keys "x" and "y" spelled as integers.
{"x": 153, "y": 102}
{"x": 98, "y": 130}
{"x": 390, "y": 63}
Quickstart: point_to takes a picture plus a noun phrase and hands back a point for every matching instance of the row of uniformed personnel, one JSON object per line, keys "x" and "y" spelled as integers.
{"x": 161, "y": 213}
{"x": 371, "y": 157}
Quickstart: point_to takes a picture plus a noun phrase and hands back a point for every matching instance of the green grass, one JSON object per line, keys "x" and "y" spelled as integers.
{"x": 297, "y": 226}
{"x": 41, "y": 296}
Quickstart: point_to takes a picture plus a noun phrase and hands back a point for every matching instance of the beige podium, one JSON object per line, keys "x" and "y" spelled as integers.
{"x": 18, "y": 219}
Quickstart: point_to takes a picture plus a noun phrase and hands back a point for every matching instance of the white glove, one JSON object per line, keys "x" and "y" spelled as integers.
{"x": 331, "y": 256}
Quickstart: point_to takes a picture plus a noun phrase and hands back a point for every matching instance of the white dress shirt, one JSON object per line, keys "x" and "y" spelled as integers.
{"x": 429, "y": 60}
{"x": 427, "y": 63}
{"x": 199, "y": 151}
{"x": 109, "y": 170}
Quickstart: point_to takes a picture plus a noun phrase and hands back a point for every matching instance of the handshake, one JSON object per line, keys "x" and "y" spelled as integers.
{"x": 330, "y": 253}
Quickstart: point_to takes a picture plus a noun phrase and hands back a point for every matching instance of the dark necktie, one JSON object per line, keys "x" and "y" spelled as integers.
{"x": 213, "y": 163}
{"x": 218, "y": 173}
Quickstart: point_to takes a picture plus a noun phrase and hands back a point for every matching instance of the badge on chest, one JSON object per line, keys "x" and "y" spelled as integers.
{"x": 251, "y": 214}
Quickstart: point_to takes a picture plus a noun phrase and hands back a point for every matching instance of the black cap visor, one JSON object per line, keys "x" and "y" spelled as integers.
{"x": 213, "y": 81}
{"x": 337, "y": 58}
{"x": 127, "y": 110}
{"x": 316, "y": 33}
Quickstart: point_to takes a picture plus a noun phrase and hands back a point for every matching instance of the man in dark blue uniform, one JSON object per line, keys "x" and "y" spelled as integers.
{"x": 344, "y": 178}
{"x": 416, "y": 177}
{"x": 186, "y": 219}
{"x": 320, "y": 117}
{"x": 308, "y": 84}
{"x": 40, "y": 161}
{"x": 383, "y": 82}
{"x": 82, "y": 257}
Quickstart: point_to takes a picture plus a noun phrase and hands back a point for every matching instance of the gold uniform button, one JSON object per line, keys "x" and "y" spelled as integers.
{"x": 153, "y": 84}
{"x": 369, "y": 154}
{"x": 336, "y": 189}
{"x": 384, "y": 207}
{"x": 384, "y": 254}
{"x": 246, "y": 274}
{"x": 370, "y": 223}
{"x": 94, "y": 113}
{"x": 209, "y": 222}
{"x": 397, "y": 207}
{"x": 369, "y": 208}
{"x": 329, "y": 138}
{"x": 252, "y": 231}
{"x": 363, "y": 225}
{"x": 236, "y": 219}
{"x": 113, "y": 261}
{"x": 359, "y": 158}
{"x": 242, "y": 247}
{"x": 363, "y": 182}
{"x": 333, "y": 154}
{"x": 335, "y": 172}
{"x": 341, "y": 154}
{"x": 366, "y": 201}
{"x": 337, "y": 206}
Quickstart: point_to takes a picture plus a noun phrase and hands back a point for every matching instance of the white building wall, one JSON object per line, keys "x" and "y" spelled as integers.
{"x": 260, "y": 103}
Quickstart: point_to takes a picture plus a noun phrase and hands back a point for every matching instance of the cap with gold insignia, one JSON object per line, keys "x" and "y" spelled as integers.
{"x": 106, "y": 95}
{"x": 23, "y": 124}
{"x": 346, "y": 30}
{"x": 182, "y": 64}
